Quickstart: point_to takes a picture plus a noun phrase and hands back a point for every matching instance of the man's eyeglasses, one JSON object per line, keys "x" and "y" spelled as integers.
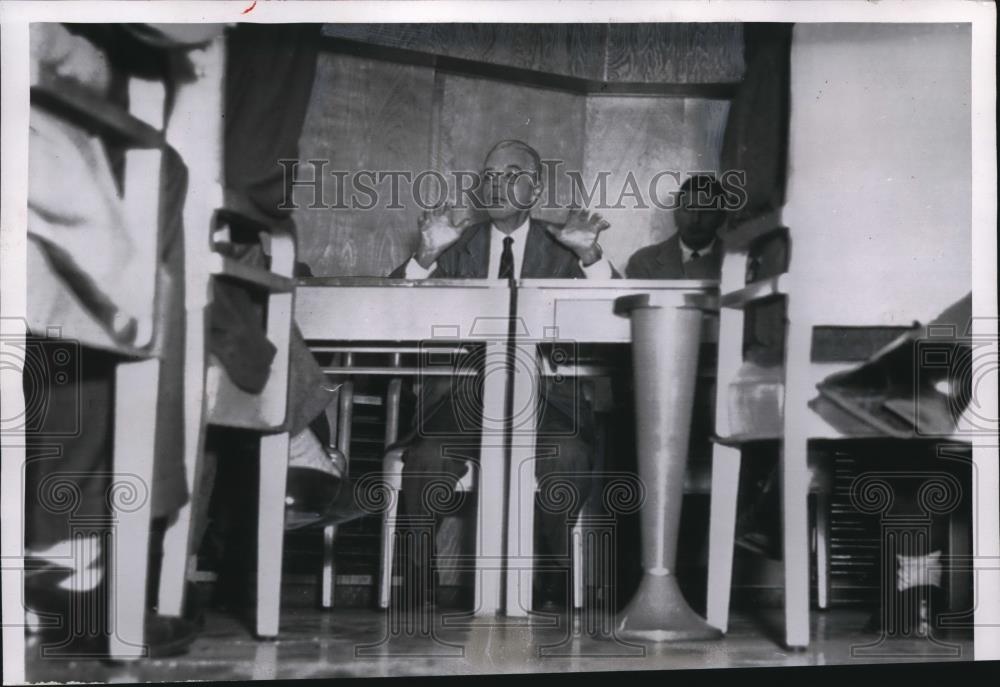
{"x": 496, "y": 177}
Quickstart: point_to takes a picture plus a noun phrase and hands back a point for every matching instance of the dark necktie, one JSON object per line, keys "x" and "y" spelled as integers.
{"x": 695, "y": 255}
{"x": 507, "y": 259}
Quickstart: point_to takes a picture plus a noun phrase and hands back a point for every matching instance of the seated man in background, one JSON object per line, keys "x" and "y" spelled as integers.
{"x": 694, "y": 252}
{"x": 506, "y": 245}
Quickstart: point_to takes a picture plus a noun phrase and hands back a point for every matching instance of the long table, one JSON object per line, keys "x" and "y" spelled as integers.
{"x": 479, "y": 311}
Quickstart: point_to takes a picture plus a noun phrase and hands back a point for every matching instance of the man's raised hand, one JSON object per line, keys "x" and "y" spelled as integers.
{"x": 437, "y": 233}
{"x": 580, "y": 233}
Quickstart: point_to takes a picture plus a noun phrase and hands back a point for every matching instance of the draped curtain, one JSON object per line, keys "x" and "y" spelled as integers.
{"x": 756, "y": 136}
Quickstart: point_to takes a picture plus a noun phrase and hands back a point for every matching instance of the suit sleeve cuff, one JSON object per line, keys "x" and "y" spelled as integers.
{"x": 413, "y": 270}
{"x": 598, "y": 270}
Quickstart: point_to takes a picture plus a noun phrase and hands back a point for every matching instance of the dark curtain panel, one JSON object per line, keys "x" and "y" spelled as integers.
{"x": 756, "y": 137}
{"x": 269, "y": 78}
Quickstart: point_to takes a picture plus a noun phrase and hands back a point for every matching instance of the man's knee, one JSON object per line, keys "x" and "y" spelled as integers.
{"x": 430, "y": 474}
{"x": 564, "y": 470}
{"x": 569, "y": 455}
{"x": 435, "y": 456}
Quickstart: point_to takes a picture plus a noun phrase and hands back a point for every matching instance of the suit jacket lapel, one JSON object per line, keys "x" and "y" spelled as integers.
{"x": 705, "y": 267}
{"x": 474, "y": 253}
{"x": 535, "y": 253}
{"x": 544, "y": 257}
{"x": 715, "y": 257}
{"x": 670, "y": 255}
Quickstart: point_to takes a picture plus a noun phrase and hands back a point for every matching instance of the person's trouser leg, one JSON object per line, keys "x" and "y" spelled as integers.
{"x": 69, "y": 456}
{"x": 564, "y": 465}
{"x": 67, "y": 476}
{"x": 430, "y": 475}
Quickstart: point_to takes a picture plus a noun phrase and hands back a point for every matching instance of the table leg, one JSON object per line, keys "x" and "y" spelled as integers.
{"x": 492, "y": 483}
{"x": 986, "y": 546}
{"x": 527, "y": 381}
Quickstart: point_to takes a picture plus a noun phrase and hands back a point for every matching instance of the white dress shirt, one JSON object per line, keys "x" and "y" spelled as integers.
{"x": 598, "y": 270}
{"x": 686, "y": 251}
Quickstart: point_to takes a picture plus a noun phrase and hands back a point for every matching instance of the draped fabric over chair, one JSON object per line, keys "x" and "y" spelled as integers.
{"x": 269, "y": 78}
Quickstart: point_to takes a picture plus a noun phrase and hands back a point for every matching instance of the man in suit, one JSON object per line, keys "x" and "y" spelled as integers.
{"x": 508, "y": 244}
{"x": 694, "y": 252}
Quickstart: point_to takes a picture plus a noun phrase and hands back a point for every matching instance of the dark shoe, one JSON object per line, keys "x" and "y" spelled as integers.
{"x": 413, "y": 604}
{"x": 912, "y": 613}
{"x": 551, "y": 605}
{"x": 162, "y": 637}
{"x": 453, "y": 598}
{"x": 166, "y": 636}
{"x": 61, "y": 644}
{"x": 194, "y": 605}
{"x": 551, "y": 593}
{"x": 309, "y": 490}
{"x": 71, "y": 624}
{"x": 64, "y": 634}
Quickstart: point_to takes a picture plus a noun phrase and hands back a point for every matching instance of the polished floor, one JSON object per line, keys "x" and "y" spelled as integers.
{"x": 365, "y": 643}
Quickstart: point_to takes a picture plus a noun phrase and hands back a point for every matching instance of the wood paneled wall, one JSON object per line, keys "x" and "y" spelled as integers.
{"x": 643, "y": 137}
{"x": 364, "y": 115}
{"x": 644, "y": 53}
{"x": 674, "y": 53}
{"x": 476, "y": 113}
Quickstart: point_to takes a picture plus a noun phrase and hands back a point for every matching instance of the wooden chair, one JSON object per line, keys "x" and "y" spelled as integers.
{"x": 392, "y": 474}
{"x": 776, "y": 404}
{"x": 137, "y": 374}
{"x": 196, "y": 131}
{"x": 227, "y": 405}
{"x": 698, "y": 481}
{"x": 339, "y": 415}
{"x": 340, "y": 418}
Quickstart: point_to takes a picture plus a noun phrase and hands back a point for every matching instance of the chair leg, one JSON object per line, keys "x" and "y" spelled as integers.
{"x": 795, "y": 474}
{"x": 179, "y": 558}
{"x": 387, "y": 551}
{"x": 392, "y": 473}
{"x": 174, "y": 566}
{"x": 392, "y": 468}
{"x": 271, "y": 531}
{"x": 329, "y": 567}
{"x": 823, "y": 550}
{"x": 130, "y": 494}
{"x": 722, "y": 533}
{"x": 795, "y": 528}
{"x": 577, "y": 544}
